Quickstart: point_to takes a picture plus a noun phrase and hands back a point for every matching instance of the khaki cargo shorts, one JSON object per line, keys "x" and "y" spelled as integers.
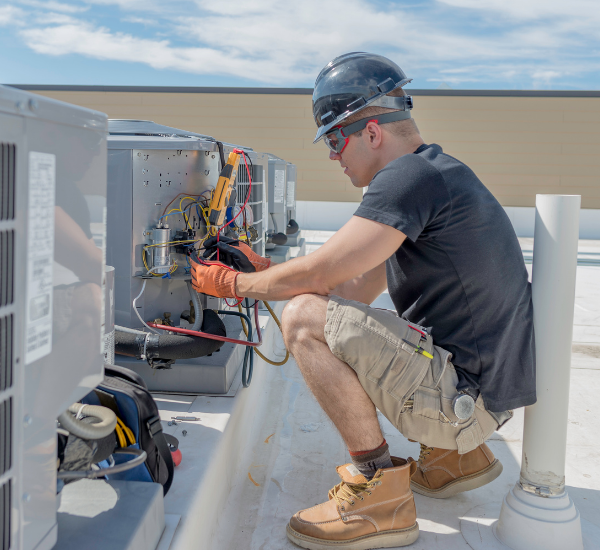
{"x": 415, "y": 393}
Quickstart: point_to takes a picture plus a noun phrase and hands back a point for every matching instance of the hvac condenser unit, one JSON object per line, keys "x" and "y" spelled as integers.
{"x": 160, "y": 181}
{"x": 52, "y": 199}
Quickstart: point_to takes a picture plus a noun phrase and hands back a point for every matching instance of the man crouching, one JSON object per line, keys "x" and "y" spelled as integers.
{"x": 456, "y": 357}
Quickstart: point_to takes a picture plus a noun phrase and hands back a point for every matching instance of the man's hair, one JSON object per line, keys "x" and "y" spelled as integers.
{"x": 401, "y": 128}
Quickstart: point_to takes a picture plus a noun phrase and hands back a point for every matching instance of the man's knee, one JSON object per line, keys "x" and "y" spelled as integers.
{"x": 303, "y": 317}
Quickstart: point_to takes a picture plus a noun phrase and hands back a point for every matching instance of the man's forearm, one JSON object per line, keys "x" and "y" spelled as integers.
{"x": 360, "y": 248}
{"x": 284, "y": 281}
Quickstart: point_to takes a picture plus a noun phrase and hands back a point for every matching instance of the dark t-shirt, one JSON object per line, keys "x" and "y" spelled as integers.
{"x": 460, "y": 272}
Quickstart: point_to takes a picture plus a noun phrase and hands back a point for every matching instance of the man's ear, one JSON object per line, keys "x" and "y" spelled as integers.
{"x": 374, "y": 134}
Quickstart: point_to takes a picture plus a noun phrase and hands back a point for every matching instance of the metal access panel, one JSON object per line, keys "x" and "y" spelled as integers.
{"x": 290, "y": 191}
{"x": 52, "y": 205}
{"x": 277, "y": 180}
{"x": 144, "y": 175}
{"x": 148, "y": 175}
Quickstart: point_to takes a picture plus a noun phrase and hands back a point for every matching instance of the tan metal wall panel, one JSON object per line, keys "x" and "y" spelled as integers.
{"x": 518, "y": 146}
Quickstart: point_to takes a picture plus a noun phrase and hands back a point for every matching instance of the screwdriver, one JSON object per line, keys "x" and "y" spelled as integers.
{"x": 418, "y": 349}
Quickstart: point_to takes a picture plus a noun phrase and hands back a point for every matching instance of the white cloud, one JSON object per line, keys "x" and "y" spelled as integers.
{"x": 286, "y": 44}
{"x": 141, "y": 5}
{"x": 100, "y": 43}
{"x": 544, "y": 78}
{"x": 141, "y": 21}
{"x": 10, "y": 15}
{"x": 531, "y": 9}
{"x": 54, "y": 6}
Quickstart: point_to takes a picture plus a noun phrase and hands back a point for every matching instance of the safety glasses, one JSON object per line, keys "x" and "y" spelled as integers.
{"x": 337, "y": 138}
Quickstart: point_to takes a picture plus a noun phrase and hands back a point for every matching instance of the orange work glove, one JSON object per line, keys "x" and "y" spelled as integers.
{"x": 235, "y": 253}
{"x": 214, "y": 280}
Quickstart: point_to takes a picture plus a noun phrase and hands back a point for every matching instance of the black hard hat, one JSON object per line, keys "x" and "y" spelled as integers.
{"x": 352, "y": 82}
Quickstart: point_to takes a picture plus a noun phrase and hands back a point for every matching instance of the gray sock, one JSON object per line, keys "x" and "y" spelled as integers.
{"x": 368, "y": 463}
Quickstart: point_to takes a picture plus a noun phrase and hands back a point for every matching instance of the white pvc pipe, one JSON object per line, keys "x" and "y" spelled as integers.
{"x": 538, "y": 513}
{"x": 553, "y": 289}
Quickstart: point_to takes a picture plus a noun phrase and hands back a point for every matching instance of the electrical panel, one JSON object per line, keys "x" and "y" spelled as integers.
{"x": 52, "y": 207}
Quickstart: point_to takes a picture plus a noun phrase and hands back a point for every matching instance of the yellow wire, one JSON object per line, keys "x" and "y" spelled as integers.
{"x": 171, "y": 242}
{"x": 205, "y": 214}
{"x": 173, "y": 268}
{"x": 120, "y": 436}
{"x": 127, "y": 431}
{"x": 181, "y": 209}
{"x": 287, "y": 353}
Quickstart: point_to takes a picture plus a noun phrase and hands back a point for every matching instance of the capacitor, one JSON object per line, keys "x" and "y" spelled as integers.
{"x": 161, "y": 257}
{"x": 463, "y": 406}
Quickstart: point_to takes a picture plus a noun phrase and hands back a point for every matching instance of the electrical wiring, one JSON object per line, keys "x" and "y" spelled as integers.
{"x": 137, "y": 312}
{"x": 172, "y": 269}
{"x": 245, "y": 202}
{"x": 248, "y": 365}
{"x": 287, "y": 353}
{"x": 194, "y": 201}
{"x": 169, "y": 213}
{"x": 179, "y": 195}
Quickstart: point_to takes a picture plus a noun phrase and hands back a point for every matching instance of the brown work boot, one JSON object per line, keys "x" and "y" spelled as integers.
{"x": 361, "y": 514}
{"x": 442, "y": 473}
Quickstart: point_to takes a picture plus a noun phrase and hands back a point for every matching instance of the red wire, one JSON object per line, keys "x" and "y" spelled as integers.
{"x": 245, "y": 203}
{"x": 204, "y": 262}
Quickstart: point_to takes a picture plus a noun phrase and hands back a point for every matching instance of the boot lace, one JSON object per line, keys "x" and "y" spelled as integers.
{"x": 350, "y": 491}
{"x": 425, "y": 450}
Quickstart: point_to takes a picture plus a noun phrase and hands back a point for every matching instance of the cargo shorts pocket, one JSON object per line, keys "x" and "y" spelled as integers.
{"x": 372, "y": 343}
{"x": 427, "y": 402}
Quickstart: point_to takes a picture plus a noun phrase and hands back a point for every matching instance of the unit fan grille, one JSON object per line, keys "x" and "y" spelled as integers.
{"x": 6, "y": 352}
{"x": 7, "y": 181}
{"x": 7, "y": 265}
{"x": 256, "y": 170}
{"x": 5, "y": 511}
{"x": 5, "y": 436}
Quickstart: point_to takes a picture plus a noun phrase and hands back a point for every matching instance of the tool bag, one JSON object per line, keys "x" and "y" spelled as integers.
{"x": 126, "y": 394}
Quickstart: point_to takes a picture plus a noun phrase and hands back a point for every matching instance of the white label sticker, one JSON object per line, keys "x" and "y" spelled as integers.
{"x": 279, "y": 186}
{"x": 40, "y": 255}
{"x": 291, "y": 193}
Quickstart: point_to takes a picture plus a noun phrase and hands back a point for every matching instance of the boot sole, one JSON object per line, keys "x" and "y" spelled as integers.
{"x": 460, "y": 485}
{"x": 385, "y": 539}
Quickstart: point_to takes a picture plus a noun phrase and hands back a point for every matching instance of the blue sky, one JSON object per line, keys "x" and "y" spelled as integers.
{"x": 464, "y": 44}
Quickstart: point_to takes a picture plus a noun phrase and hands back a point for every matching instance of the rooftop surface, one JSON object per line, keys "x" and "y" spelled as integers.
{"x": 263, "y": 453}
